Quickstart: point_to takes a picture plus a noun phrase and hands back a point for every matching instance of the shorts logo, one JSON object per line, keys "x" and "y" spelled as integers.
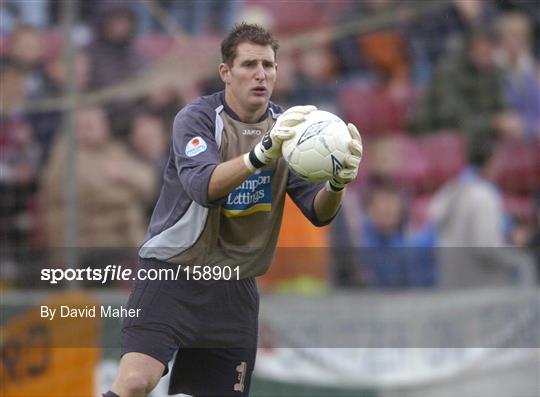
{"x": 195, "y": 146}
{"x": 253, "y": 195}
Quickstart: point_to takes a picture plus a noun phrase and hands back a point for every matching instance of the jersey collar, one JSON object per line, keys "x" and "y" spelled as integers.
{"x": 233, "y": 115}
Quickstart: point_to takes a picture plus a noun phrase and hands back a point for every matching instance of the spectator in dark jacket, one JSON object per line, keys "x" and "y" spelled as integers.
{"x": 114, "y": 59}
{"x": 466, "y": 93}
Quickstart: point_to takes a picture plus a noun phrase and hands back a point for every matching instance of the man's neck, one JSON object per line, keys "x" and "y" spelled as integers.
{"x": 242, "y": 115}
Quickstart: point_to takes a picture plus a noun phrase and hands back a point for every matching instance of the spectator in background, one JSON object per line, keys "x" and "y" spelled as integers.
{"x": 19, "y": 164}
{"x": 523, "y": 231}
{"x": 114, "y": 187}
{"x": 437, "y": 33}
{"x": 385, "y": 50}
{"x": 194, "y": 17}
{"x": 315, "y": 80}
{"x": 521, "y": 80}
{"x": 149, "y": 142}
{"x": 12, "y": 95}
{"x": 46, "y": 124}
{"x": 25, "y": 54}
{"x": 19, "y": 158}
{"x": 531, "y": 8}
{"x": 466, "y": 94}
{"x": 468, "y": 210}
{"x": 380, "y": 54}
{"x": 284, "y": 87}
{"x": 469, "y": 217}
{"x": 163, "y": 100}
{"x": 29, "y": 13}
{"x": 114, "y": 59}
{"x": 390, "y": 256}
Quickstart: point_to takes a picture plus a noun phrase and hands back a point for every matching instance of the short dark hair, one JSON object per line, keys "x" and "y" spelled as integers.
{"x": 480, "y": 32}
{"x": 480, "y": 151}
{"x": 242, "y": 33}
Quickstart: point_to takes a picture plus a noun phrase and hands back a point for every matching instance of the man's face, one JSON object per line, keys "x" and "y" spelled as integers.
{"x": 385, "y": 211}
{"x": 251, "y": 78}
{"x": 92, "y": 127}
{"x": 481, "y": 53}
{"x": 27, "y": 48}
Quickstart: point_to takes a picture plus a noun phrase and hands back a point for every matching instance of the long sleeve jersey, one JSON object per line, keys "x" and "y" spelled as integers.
{"x": 240, "y": 229}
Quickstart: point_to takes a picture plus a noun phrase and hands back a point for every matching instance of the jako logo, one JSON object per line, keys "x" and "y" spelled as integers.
{"x": 251, "y": 132}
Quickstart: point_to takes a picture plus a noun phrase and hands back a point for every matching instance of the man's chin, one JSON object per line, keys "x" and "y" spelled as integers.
{"x": 257, "y": 102}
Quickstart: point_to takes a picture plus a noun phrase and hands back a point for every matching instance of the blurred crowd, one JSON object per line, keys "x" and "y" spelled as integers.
{"x": 446, "y": 95}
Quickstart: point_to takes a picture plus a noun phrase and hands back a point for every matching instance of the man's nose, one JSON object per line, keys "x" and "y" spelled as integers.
{"x": 259, "y": 73}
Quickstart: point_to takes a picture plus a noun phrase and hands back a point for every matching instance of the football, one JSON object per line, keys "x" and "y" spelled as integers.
{"x": 317, "y": 151}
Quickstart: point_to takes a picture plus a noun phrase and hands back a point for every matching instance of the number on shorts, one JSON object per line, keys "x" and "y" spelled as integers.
{"x": 241, "y": 369}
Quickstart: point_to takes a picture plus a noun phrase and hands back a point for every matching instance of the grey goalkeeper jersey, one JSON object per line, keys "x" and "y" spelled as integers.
{"x": 238, "y": 230}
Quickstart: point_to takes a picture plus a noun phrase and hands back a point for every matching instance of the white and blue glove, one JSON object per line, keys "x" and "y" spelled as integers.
{"x": 269, "y": 149}
{"x": 352, "y": 161}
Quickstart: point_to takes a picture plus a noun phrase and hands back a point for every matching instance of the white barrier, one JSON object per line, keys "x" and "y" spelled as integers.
{"x": 474, "y": 343}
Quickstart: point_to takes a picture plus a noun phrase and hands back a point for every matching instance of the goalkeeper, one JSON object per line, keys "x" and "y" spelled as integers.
{"x": 220, "y": 206}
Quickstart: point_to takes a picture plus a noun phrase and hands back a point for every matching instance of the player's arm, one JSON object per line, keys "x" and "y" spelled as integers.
{"x": 228, "y": 175}
{"x": 329, "y": 198}
{"x": 327, "y": 203}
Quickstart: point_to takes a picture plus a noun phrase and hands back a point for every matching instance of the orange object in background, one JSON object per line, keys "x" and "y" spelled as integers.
{"x": 385, "y": 52}
{"x": 302, "y": 257}
{"x": 41, "y": 357}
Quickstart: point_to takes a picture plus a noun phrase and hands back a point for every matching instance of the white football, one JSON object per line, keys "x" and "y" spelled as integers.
{"x": 317, "y": 151}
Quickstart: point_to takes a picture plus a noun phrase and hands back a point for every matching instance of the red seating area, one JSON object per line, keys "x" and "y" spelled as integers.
{"x": 376, "y": 109}
{"x": 518, "y": 167}
{"x": 200, "y": 48}
{"x": 413, "y": 165}
{"x": 446, "y": 156}
{"x": 151, "y": 46}
{"x": 293, "y": 16}
{"x": 423, "y": 165}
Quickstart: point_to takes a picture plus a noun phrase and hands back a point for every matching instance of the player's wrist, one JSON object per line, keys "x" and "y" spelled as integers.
{"x": 253, "y": 162}
{"x": 257, "y": 158}
{"x": 334, "y": 186}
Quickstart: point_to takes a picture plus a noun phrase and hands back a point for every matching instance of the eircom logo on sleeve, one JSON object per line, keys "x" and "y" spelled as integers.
{"x": 195, "y": 146}
{"x": 253, "y": 195}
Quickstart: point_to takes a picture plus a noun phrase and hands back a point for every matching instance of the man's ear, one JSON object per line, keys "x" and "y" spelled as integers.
{"x": 225, "y": 73}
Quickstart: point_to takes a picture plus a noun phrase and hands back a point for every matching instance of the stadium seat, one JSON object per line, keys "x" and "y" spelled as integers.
{"x": 518, "y": 167}
{"x": 293, "y": 16}
{"x": 154, "y": 46}
{"x": 377, "y": 110}
{"x": 522, "y": 206}
{"x": 445, "y": 153}
{"x": 413, "y": 166}
{"x": 355, "y": 104}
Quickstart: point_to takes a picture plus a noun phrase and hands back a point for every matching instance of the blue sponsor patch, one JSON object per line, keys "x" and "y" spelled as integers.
{"x": 253, "y": 195}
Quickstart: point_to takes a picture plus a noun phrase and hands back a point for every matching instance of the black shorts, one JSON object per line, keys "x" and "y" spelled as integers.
{"x": 212, "y": 324}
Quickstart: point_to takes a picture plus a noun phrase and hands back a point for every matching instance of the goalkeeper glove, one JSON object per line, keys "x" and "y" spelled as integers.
{"x": 269, "y": 148}
{"x": 351, "y": 163}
